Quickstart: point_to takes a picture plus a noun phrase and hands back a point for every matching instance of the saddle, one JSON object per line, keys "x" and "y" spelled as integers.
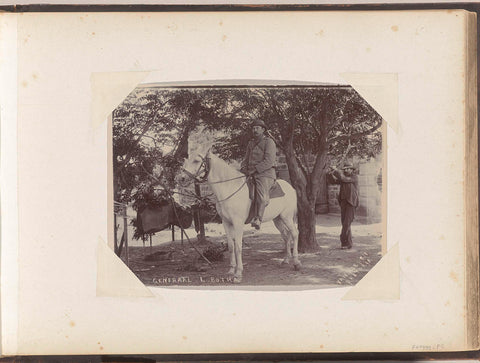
{"x": 276, "y": 191}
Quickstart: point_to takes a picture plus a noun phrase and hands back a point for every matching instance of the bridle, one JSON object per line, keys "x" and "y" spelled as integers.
{"x": 205, "y": 164}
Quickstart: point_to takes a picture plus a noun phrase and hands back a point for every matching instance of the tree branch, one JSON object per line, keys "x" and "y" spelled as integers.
{"x": 345, "y": 154}
{"x": 182, "y": 143}
{"x": 236, "y": 111}
{"x": 150, "y": 137}
{"x": 356, "y": 135}
{"x": 309, "y": 121}
{"x": 302, "y": 166}
{"x": 129, "y": 151}
{"x": 145, "y": 129}
{"x": 276, "y": 107}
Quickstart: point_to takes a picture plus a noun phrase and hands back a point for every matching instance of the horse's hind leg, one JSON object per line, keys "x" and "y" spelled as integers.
{"x": 286, "y": 238}
{"x": 238, "y": 238}
{"x": 292, "y": 229}
{"x": 231, "y": 248}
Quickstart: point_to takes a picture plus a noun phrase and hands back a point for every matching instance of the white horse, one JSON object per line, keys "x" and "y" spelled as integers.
{"x": 233, "y": 204}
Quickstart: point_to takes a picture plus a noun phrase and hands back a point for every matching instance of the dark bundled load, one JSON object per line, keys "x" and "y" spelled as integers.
{"x": 159, "y": 217}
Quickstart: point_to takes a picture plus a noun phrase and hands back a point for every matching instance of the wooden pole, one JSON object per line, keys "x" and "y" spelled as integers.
{"x": 150, "y": 243}
{"x": 201, "y": 227}
{"x": 115, "y": 239}
{"x": 173, "y": 232}
{"x": 125, "y": 231}
{"x": 120, "y": 246}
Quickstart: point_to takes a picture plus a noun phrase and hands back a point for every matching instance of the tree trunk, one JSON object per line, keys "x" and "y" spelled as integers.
{"x": 307, "y": 241}
{"x": 120, "y": 247}
{"x": 305, "y": 204}
{"x": 182, "y": 145}
{"x": 199, "y": 226}
{"x": 321, "y": 205}
{"x": 320, "y": 176}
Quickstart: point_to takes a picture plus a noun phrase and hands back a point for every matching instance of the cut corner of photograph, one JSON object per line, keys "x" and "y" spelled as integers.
{"x": 247, "y": 186}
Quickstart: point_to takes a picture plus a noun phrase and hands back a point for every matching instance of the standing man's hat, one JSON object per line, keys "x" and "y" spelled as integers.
{"x": 348, "y": 166}
{"x": 258, "y": 122}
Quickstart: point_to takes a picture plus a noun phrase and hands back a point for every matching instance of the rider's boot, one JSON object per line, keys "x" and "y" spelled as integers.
{"x": 257, "y": 221}
{"x": 254, "y": 222}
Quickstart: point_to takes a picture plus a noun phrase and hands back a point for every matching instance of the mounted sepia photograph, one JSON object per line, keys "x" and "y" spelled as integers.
{"x": 248, "y": 185}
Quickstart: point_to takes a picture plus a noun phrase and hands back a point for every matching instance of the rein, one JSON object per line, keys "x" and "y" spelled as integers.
{"x": 226, "y": 180}
{"x": 235, "y": 192}
{"x": 203, "y": 180}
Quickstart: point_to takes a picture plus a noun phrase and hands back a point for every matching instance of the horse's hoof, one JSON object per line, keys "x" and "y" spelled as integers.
{"x": 237, "y": 280}
{"x": 297, "y": 266}
{"x": 285, "y": 262}
{"x": 231, "y": 271}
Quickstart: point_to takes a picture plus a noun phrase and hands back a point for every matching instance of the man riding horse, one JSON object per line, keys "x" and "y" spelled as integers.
{"x": 259, "y": 165}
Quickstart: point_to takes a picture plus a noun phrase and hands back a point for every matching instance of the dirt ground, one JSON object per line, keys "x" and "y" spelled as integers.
{"x": 171, "y": 264}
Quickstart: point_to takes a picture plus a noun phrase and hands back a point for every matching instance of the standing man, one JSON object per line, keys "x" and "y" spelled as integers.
{"x": 259, "y": 164}
{"x": 348, "y": 200}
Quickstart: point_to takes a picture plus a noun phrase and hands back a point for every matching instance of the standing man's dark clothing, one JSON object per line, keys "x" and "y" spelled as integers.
{"x": 259, "y": 162}
{"x": 348, "y": 200}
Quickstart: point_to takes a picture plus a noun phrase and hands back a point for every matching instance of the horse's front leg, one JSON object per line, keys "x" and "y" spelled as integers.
{"x": 231, "y": 248}
{"x": 238, "y": 239}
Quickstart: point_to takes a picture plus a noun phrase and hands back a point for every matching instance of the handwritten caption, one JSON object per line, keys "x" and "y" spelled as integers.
{"x": 429, "y": 347}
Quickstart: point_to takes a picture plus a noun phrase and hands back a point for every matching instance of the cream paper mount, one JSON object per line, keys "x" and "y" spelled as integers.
{"x": 62, "y": 169}
{"x": 110, "y": 89}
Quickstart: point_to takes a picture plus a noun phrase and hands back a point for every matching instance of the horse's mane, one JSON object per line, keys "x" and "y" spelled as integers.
{"x": 222, "y": 169}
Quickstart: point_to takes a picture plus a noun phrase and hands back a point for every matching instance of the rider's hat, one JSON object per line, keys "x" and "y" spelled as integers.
{"x": 348, "y": 166}
{"x": 258, "y": 122}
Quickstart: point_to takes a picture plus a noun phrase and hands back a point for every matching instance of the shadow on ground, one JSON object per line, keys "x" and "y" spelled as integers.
{"x": 171, "y": 264}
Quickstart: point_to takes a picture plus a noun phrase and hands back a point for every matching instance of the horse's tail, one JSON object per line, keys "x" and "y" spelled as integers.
{"x": 295, "y": 210}
{"x": 294, "y": 198}
{"x": 295, "y": 214}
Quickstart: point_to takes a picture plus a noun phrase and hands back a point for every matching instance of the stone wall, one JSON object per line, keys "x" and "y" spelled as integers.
{"x": 369, "y": 189}
{"x": 333, "y": 206}
{"x": 282, "y": 169}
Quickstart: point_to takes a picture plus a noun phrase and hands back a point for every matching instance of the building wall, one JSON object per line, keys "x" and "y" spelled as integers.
{"x": 282, "y": 169}
{"x": 369, "y": 190}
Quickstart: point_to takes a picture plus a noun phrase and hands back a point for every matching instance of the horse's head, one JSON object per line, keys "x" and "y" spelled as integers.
{"x": 195, "y": 168}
